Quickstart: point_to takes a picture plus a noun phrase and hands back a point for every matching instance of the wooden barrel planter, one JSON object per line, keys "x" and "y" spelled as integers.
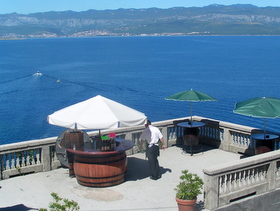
{"x": 191, "y": 136}
{"x": 100, "y": 169}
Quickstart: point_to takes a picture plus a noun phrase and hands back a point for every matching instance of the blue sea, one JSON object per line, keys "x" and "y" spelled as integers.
{"x": 139, "y": 72}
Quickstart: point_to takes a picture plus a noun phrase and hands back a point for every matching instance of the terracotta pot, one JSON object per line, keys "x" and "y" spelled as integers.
{"x": 185, "y": 205}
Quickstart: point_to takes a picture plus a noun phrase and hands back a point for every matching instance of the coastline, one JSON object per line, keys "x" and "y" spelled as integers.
{"x": 13, "y": 38}
{"x": 144, "y": 35}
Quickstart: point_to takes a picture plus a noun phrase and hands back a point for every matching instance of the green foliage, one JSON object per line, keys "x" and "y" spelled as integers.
{"x": 190, "y": 186}
{"x": 61, "y": 204}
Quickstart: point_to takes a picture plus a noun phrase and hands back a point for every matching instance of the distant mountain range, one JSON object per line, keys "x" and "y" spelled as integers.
{"x": 240, "y": 19}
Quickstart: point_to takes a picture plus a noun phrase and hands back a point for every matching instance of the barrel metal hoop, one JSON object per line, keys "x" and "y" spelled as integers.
{"x": 102, "y": 184}
{"x": 116, "y": 175}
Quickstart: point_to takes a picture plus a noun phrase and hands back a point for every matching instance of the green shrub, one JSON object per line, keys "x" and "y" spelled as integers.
{"x": 190, "y": 186}
{"x": 61, "y": 204}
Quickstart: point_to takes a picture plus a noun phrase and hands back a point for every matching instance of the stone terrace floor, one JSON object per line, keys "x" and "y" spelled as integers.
{"x": 137, "y": 193}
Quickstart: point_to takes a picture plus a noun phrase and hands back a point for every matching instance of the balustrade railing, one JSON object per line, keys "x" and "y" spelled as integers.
{"x": 28, "y": 157}
{"x": 222, "y": 184}
{"x": 243, "y": 178}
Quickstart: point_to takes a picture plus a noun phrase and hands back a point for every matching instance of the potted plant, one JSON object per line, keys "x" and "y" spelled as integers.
{"x": 189, "y": 188}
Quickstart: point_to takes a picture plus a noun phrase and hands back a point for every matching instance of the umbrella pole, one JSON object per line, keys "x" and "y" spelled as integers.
{"x": 264, "y": 123}
{"x": 191, "y": 109}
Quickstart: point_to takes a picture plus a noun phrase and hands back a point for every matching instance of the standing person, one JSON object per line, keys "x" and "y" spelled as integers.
{"x": 152, "y": 136}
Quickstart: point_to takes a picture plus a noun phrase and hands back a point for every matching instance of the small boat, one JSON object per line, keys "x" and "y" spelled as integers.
{"x": 37, "y": 73}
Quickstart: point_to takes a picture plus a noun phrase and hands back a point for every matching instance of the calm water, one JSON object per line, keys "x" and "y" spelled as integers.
{"x": 136, "y": 71}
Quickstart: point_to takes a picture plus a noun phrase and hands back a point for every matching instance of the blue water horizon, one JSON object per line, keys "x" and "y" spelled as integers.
{"x": 139, "y": 72}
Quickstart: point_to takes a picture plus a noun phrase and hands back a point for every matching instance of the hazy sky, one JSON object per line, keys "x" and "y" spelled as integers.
{"x": 32, "y": 6}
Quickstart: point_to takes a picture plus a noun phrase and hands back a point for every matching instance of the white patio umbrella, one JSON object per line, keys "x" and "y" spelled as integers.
{"x": 97, "y": 113}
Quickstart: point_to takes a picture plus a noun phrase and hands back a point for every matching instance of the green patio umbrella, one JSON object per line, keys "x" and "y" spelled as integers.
{"x": 264, "y": 107}
{"x": 192, "y": 96}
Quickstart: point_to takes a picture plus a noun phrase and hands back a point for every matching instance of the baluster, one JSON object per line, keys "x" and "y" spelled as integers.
{"x": 229, "y": 183}
{"x": 201, "y": 131}
{"x": 173, "y": 135}
{"x": 207, "y": 131}
{"x": 257, "y": 178}
{"x": 260, "y": 173}
{"x": 222, "y": 184}
{"x": 238, "y": 139}
{"x": 27, "y": 155}
{"x": 8, "y": 159}
{"x": 234, "y": 138}
{"x": 13, "y": 161}
{"x": 217, "y": 134}
{"x": 243, "y": 140}
{"x": 247, "y": 178}
{"x": 33, "y": 156}
{"x": 246, "y": 141}
{"x": 226, "y": 184}
{"x": 170, "y": 135}
{"x": 239, "y": 179}
{"x": 265, "y": 174}
{"x": 251, "y": 177}
{"x": 32, "y": 153}
{"x": 37, "y": 157}
{"x": 214, "y": 133}
{"x": 257, "y": 173}
{"x": 23, "y": 159}
{"x": 17, "y": 160}
{"x": 242, "y": 184}
{"x": 235, "y": 180}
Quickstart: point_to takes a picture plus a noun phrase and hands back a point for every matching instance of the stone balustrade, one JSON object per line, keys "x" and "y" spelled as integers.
{"x": 241, "y": 179}
{"x": 223, "y": 184}
{"x": 28, "y": 157}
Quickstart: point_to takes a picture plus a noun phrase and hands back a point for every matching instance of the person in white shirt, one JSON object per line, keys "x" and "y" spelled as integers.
{"x": 152, "y": 135}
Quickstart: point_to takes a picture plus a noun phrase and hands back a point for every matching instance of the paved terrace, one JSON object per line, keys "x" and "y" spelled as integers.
{"x": 137, "y": 193}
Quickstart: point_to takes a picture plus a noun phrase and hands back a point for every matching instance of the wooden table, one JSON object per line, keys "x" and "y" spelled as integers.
{"x": 97, "y": 168}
